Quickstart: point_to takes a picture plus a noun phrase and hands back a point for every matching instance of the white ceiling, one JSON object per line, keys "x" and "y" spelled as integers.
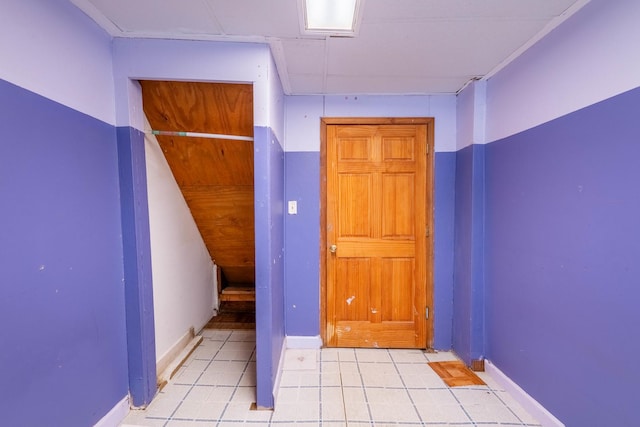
{"x": 403, "y": 46}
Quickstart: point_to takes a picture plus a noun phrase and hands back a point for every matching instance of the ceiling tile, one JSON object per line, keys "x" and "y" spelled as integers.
{"x": 421, "y": 10}
{"x": 403, "y": 46}
{"x": 304, "y": 56}
{"x": 273, "y": 18}
{"x": 393, "y": 84}
{"x": 147, "y": 17}
{"x": 439, "y": 49}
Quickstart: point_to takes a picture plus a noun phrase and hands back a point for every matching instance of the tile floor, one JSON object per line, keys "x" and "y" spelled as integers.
{"x": 328, "y": 387}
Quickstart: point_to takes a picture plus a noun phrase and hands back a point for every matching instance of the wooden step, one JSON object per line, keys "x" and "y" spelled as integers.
{"x": 238, "y": 293}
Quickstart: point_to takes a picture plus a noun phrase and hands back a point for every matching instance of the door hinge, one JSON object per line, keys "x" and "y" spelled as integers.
{"x": 426, "y": 232}
{"x": 426, "y": 312}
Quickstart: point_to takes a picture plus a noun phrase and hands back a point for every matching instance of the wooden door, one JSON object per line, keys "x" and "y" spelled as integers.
{"x": 377, "y": 251}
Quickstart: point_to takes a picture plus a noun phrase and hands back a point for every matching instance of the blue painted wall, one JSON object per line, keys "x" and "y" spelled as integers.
{"x": 269, "y": 220}
{"x": 445, "y": 179}
{"x": 138, "y": 284}
{"x": 63, "y": 360}
{"x": 462, "y": 289}
{"x": 302, "y": 233}
{"x": 468, "y": 283}
{"x": 303, "y": 245}
{"x": 562, "y": 251}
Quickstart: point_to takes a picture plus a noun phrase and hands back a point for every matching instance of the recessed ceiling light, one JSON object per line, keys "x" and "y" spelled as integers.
{"x": 333, "y": 17}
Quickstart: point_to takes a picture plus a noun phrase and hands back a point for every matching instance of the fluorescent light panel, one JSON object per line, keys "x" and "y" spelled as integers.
{"x": 330, "y": 15}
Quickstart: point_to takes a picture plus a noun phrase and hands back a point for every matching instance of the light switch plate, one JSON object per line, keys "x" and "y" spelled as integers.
{"x": 293, "y": 207}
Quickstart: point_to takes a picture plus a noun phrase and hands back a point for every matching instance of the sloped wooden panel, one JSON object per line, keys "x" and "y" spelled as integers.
{"x": 225, "y": 217}
{"x": 222, "y": 108}
{"x": 206, "y": 162}
{"x": 215, "y": 175}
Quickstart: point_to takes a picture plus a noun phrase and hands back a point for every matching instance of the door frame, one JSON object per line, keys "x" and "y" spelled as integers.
{"x": 430, "y": 199}
{"x": 139, "y": 290}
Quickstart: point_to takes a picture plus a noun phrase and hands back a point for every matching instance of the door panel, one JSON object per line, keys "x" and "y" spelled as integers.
{"x": 355, "y": 273}
{"x": 398, "y": 271}
{"x": 355, "y": 221}
{"x": 377, "y": 273}
{"x": 398, "y": 199}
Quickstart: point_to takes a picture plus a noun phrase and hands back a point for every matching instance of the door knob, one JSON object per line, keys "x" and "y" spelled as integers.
{"x": 333, "y": 249}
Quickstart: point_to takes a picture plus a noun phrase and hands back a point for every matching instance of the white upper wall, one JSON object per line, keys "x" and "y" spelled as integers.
{"x": 184, "y": 293}
{"x": 303, "y": 113}
{"x": 51, "y": 48}
{"x": 465, "y": 116}
{"x": 471, "y": 114}
{"x": 592, "y": 56}
{"x": 276, "y": 103}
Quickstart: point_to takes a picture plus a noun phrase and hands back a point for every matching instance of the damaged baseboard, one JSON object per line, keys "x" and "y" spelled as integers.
{"x": 183, "y": 352}
{"x": 172, "y": 353}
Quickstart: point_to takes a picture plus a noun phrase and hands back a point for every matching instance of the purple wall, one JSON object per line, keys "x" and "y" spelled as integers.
{"x": 302, "y": 232}
{"x": 138, "y": 285}
{"x": 468, "y": 283}
{"x": 445, "y": 178}
{"x": 562, "y": 262}
{"x": 303, "y": 245}
{"x": 269, "y": 221}
{"x": 63, "y": 359}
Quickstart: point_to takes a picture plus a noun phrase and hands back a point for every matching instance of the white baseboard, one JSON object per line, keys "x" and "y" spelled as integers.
{"x": 115, "y": 416}
{"x": 531, "y": 405}
{"x": 276, "y": 383}
{"x": 304, "y": 342}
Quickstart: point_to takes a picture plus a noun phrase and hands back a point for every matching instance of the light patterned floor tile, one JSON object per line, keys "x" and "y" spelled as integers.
{"x": 238, "y": 346}
{"x": 186, "y": 377}
{"x": 300, "y": 360}
{"x": 249, "y": 336}
{"x": 233, "y": 355}
{"x": 408, "y": 356}
{"x": 346, "y": 355}
{"x": 329, "y": 387}
{"x": 516, "y": 408}
{"x": 333, "y": 411}
{"x": 390, "y": 413}
{"x": 217, "y": 335}
{"x": 295, "y": 412}
{"x": 151, "y": 422}
{"x": 372, "y": 355}
{"x": 162, "y": 408}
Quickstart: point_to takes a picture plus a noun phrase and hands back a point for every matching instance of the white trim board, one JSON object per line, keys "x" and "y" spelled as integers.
{"x": 535, "y": 409}
{"x": 276, "y": 383}
{"x": 172, "y": 367}
{"x": 314, "y": 342}
{"x": 116, "y": 415}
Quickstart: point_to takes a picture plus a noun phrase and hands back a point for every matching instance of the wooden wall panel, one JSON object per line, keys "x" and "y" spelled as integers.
{"x": 199, "y": 107}
{"x": 225, "y": 217}
{"x": 203, "y": 161}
